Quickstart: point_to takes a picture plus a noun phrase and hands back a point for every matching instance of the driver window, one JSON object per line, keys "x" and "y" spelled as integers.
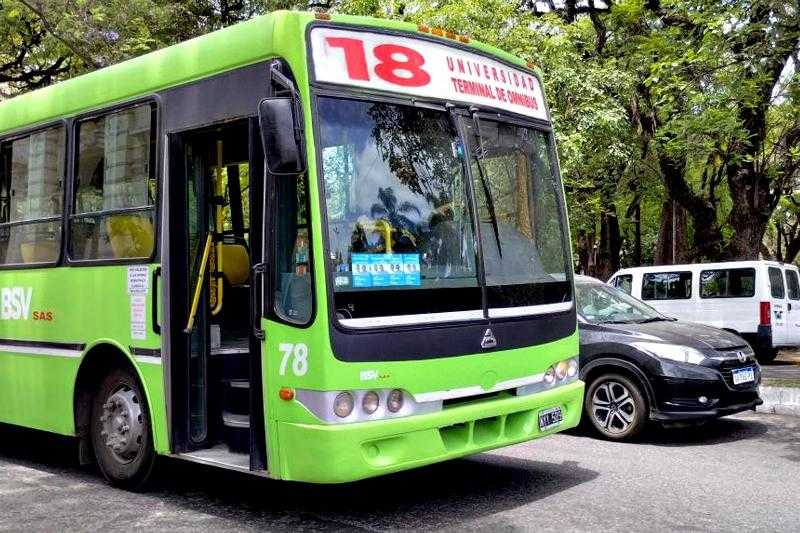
{"x": 293, "y": 298}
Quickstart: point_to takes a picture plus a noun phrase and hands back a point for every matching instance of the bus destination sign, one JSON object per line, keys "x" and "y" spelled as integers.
{"x": 423, "y": 68}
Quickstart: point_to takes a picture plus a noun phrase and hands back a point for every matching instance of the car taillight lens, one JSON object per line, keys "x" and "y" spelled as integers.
{"x": 765, "y": 314}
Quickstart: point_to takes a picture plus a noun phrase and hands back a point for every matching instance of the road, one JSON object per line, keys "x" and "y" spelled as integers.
{"x": 785, "y": 367}
{"x": 740, "y": 473}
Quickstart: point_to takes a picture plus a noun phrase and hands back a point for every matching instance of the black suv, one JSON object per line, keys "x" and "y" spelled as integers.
{"x": 640, "y": 365}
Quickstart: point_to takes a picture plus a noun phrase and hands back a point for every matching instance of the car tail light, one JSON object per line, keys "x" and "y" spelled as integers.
{"x": 765, "y": 314}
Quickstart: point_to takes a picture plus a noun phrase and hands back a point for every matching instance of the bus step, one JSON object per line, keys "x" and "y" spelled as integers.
{"x": 233, "y": 420}
{"x": 236, "y": 396}
{"x": 237, "y": 431}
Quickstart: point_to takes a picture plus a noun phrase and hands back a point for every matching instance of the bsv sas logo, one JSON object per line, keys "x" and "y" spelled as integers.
{"x": 15, "y": 303}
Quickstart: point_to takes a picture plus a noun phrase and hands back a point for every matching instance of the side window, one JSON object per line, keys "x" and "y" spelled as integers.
{"x": 667, "y": 286}
{"x": 776, "y": 282}
{"x": 31, "y": 191}
{"x": 115, "y": 188}
{"x": 792, "y": 284}
{"x": 728, "y": 283}
{"x": 293, "y": 294}
{"x": 624, "y": 283}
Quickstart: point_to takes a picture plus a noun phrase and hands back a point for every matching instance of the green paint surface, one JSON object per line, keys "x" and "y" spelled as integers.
{"x": 91, "y": 305}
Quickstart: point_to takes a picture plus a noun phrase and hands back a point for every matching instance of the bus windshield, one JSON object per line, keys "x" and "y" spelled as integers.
{"x": 410, "y": 235}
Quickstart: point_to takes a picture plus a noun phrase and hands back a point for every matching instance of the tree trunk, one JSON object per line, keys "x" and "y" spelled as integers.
{"x": 671, "y": 247}
{"x": 750, "y": 212}
{"x": 609, "y": 247}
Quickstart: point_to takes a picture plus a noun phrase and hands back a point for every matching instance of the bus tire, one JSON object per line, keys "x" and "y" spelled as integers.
{"x": 616, "y": 407}
{"x": 121, "y": 432}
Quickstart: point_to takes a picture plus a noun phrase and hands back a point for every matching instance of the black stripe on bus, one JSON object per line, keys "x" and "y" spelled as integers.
{"x": 43, "y": 344}
{"x": 146, "y": 352}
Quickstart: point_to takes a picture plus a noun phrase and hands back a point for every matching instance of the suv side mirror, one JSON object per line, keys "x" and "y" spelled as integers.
{"x": 282, "y": 135}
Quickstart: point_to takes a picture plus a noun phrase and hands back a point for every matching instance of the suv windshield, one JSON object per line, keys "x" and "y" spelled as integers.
{"x": 602, "y": 304}
{"x": 401, "y": 211}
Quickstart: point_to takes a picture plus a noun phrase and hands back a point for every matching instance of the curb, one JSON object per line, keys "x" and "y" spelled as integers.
{"x": 780, "y": 401}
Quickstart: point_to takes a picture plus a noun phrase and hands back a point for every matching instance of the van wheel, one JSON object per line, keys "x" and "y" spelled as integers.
{"x": 766, "y": 355}
{"x": 615, "y": 407}
{"x": 121, "y": 431}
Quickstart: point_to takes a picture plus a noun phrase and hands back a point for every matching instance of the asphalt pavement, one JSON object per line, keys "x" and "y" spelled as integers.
{"x": 739, "y": 473}
{"x": 785, "y": 367}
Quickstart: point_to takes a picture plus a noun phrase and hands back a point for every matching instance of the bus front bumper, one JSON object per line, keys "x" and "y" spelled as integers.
{"x": 333, "y": 453}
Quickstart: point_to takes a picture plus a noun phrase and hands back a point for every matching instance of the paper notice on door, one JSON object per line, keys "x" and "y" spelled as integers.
{"x": 138, "y": 317}
{"x": 137, "y": 279}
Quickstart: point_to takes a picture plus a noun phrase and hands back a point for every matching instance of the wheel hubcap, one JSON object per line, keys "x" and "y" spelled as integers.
{"x": 613, "y": 407}
{"x": 122, "y": 425}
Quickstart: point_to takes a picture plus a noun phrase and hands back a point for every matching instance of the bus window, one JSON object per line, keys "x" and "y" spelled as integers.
{"x": 31, "y": 180}
{"x": 667, "y": 286}
{"x": 115, "y": 189}
{"x": 624, "y": 283}
{"x": 728, "y": 283}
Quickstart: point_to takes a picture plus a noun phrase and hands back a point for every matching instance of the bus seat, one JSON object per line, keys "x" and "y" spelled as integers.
{"x": 130, "y": 236}
{"x": 235, "y": 264}
{"x": 39, "y": 252}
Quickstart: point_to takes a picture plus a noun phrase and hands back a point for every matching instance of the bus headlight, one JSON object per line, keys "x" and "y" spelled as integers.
{"x": 395, "y": 400}
{"x": 345, "y": 407}
{"x": 561, "y": 373}
{"x": 343, "y": 404}
{"x": 370, "y": 402}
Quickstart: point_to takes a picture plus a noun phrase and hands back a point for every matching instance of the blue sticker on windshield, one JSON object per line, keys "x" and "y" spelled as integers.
{"x": 380, "y": 269}
{"x": 362, "y": 272}
{"x": 411, "y": 269}
{"x": 385, "y": 270}
{"x": 397, "y": 277}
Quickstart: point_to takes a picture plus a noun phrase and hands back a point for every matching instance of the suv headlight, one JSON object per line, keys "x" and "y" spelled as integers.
{"x": 673, "y": 352}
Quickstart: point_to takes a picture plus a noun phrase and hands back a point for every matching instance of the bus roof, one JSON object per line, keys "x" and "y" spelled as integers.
{"x": 239, "y": 45}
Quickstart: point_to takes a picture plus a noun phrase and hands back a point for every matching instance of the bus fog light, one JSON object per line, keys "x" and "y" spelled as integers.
{"x": 702, "y": 399}
{"x": 561, "y": 370}
{"x": 572, "y": 367}
{"x": 370, "y": 402}
{"x": 550, "y": 376}
{"x": 343, "y": 404}
{"x": 395, "y": 400}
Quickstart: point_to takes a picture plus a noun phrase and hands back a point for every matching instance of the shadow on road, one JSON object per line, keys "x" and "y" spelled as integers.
{"x": 443, "y": 495}
{"x": 720, "y": 431}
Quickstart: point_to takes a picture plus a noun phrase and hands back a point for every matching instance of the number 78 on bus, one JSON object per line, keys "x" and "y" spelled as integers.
{"x": 308, "y": 247}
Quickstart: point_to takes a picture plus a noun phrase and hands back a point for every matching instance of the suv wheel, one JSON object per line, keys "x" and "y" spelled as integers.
{"x": 615, "y": 407}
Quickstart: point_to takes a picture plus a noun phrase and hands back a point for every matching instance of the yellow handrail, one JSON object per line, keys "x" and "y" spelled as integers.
{"x": 199, "y": 287}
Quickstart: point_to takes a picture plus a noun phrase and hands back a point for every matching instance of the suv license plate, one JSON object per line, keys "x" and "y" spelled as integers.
{"x": 743, "y": 375}
{"x": 550, "y": 418}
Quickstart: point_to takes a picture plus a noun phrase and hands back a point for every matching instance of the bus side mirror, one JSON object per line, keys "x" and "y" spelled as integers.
{"x": 282, "y": 135}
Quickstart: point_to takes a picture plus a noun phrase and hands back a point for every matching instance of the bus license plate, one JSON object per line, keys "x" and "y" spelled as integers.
{"x": 743, "y": 375}
{"x": 550, "y": 418}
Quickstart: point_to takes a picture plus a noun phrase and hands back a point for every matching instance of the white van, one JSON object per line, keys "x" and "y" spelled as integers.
{"x": 758, "y": 300}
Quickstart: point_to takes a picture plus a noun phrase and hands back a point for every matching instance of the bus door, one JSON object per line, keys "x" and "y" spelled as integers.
{"x": 220, "y": 186}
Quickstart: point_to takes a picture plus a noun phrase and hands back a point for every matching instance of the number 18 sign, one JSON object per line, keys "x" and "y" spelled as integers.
{"x": 423, "y": 68}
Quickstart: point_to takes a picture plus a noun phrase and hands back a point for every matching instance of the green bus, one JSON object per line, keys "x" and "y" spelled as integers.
{"x": 309, "y": 247}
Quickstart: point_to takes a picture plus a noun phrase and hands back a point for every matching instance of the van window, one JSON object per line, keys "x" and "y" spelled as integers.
{"x": 667, "y": 286}
{"x": 728, "y": 283}
{"x": 792, "y": 285}
{"x": 775, "y": 282}
{"x": 624, "y": 283}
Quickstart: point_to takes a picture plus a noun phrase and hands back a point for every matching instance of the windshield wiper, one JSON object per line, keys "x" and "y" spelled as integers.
{"x": 484, "y": 183}
{"x": 652, "y": 319}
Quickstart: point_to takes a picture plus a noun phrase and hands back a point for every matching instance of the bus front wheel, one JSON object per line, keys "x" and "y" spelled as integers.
{"x": 121, "y": 435}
